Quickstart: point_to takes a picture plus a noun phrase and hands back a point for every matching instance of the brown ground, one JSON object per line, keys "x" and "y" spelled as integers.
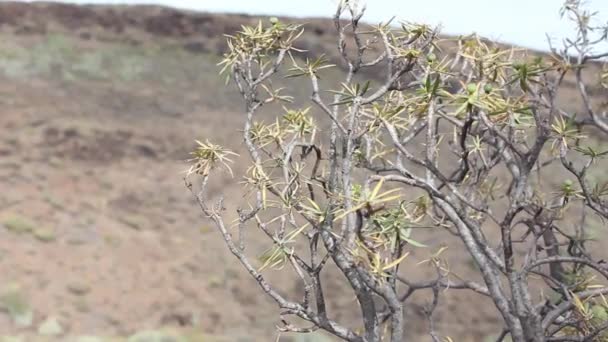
{"x": 98, "y": 109}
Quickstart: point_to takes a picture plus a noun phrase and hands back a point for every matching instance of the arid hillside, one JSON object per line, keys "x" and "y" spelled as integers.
{"x": 99, "y": 107}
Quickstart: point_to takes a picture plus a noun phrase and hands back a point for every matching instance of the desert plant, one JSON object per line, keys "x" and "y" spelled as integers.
{"x": 460, "y": 141}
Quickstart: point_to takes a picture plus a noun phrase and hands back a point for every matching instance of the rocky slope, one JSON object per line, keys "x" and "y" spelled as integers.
{"x": 99, "y": 106}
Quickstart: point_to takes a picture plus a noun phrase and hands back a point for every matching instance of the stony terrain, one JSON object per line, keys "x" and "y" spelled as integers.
{"x": 99, "y": 107}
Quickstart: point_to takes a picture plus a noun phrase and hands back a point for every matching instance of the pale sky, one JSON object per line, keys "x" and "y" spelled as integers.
{"x": 522, "y": 22}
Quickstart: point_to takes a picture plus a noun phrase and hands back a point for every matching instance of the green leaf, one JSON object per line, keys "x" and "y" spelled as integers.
{"x": 395, "y": 262}
{"x": 414, "y": 243}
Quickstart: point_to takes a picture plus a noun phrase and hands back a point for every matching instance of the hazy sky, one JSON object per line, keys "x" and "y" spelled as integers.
{"x": 523, "y": 22}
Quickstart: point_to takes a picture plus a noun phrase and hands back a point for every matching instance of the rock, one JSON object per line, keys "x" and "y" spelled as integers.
{"x": 312, "y": 337}
{"x": 24, "y": 320}
{"x": 87, "y": 339}
{"x": 44, "y": 235}
{"x": 79, "y": 289}
{"x": 18, "y": 225}
{"x": 14, "y": 302}
{"x": 178, "y": 318}
{"x": 50, "y": 327}
{"x": 12, "y": 339}
{"x": 81, "y": 305}
{"x": 82, "y": 235}
{"x": 196, "y": 336}
{"x": 155, "y": 336}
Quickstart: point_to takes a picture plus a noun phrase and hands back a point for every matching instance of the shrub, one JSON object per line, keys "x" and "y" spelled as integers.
{"x": 466, "y": 142}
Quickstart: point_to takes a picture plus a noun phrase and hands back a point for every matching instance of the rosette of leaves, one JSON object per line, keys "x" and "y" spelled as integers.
{"x": 310, "y": 68}
{"x": 565, "y": 132}
{"x": 485, "y": 60}
{"x": 500, "y": 109}
{"x": 591, "y": 316}
{"x": 389, "y": 111}
{"x": 258, "y": 43}
{"x": 349, "y": 93}
{"x": 527, "y": 73}
{"x": 298, "y": 122}
{"x": 256, "y": 178}
{"x": 568, "y": 190}
{"x": 392, "y": 227}
{"x": 408, "y": 42}
{"x": 278, "y": 255}
{"x": 208, "y": 156}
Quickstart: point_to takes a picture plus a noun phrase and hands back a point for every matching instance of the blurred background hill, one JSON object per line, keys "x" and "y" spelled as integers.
{"x": 99, "y": 107}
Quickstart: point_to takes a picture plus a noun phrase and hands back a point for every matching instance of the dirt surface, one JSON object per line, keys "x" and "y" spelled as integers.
{"x": 99, "y": 107}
